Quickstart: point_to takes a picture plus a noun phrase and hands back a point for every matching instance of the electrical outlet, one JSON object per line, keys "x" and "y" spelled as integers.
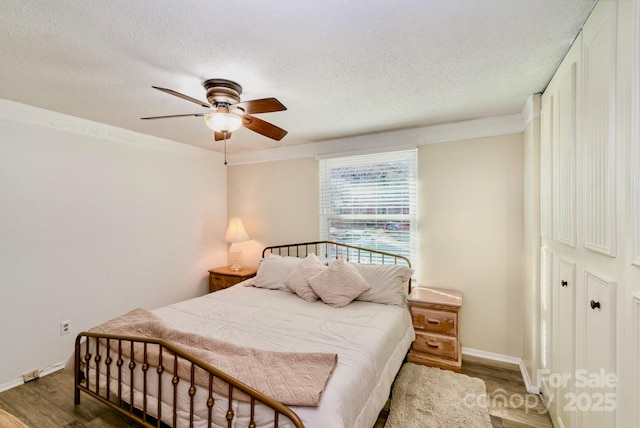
{"x": 65, "y": 327}
{"x": 32, "y": 375}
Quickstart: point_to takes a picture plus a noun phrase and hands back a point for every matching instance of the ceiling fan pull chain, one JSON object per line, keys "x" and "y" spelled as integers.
{"x": 225, "y": 147}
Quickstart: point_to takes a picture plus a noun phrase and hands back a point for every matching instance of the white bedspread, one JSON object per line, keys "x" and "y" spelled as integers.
{"x": 370, "y": 339}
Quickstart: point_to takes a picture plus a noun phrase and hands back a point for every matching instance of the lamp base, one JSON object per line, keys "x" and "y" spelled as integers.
{"x": 236, "y": 267}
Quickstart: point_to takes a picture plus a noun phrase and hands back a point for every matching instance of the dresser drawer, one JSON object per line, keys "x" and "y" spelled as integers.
{"x": 435, "y": 321}
{"x": 434, "y": 344}
{"x": 218, "y": 282}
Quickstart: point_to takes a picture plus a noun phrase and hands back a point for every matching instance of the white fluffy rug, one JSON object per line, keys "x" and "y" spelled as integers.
{"x": 426, "y": 397}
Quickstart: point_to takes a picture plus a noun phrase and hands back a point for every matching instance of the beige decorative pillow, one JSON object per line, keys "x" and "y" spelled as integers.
{"x": 272, "y": 272}
{"x": 389, "y": 283}
{"x": 339, "y": 284}
{"x": 296, "y": 280}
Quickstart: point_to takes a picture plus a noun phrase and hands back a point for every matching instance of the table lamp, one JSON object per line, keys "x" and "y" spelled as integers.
{"x": 235, "y": 234}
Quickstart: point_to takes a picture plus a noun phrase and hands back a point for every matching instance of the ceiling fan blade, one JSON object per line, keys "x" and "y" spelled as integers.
{"x": 183, "y": 96}
{"x": 174, "y": 115}
{"x": 219, "y": 136}
{"x": 261, "y": 127}
{"x": 264, "y": 105}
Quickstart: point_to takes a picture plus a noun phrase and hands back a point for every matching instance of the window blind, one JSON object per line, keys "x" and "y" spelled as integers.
{"x": 370, "y": 201}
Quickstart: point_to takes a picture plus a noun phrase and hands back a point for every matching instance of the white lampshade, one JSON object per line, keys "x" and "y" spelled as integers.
{"x": 236, "y": 231}
{"x": 223, "y": 122}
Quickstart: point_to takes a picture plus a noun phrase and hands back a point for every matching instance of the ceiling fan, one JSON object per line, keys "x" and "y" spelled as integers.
{"x": 228, "y": 113}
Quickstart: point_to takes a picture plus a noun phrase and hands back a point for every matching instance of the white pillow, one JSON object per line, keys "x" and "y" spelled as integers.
{"x": 297, "y": 278}
{"x": 389, "y": 283}
{"x": 338, "y": 284}
{"x": 272, "y": 272}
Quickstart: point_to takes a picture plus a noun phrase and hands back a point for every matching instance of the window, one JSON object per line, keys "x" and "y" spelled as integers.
{"x": 370, "y": 201}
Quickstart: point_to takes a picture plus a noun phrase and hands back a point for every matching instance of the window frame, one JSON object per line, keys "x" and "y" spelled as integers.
{"x": 404, "y": 240}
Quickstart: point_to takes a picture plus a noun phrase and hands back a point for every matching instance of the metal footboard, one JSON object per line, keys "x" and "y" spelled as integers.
{"x": 108, "y": 368}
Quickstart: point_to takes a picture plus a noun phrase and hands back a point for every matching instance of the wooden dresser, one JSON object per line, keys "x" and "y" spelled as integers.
{"x": 435, "y": 319}
{"x": 224, "y": 277}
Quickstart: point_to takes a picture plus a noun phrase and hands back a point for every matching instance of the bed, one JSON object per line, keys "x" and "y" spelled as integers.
{"x": 294, "y": 362}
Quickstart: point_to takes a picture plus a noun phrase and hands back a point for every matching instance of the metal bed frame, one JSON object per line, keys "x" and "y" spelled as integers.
{"x": 109, "y": 349}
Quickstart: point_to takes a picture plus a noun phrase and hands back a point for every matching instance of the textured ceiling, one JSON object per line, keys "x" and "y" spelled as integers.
{"x": 342, "y": 67}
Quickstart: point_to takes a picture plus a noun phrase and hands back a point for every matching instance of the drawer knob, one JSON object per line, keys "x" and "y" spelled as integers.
{"x": 595, "y": 305}
{"x": 432, "y": 344}
{"x": 433, "y": 321}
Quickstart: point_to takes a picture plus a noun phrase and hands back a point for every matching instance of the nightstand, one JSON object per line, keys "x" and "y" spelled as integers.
{"x": 224, "y": 277}
{"x": 435, "y": 320}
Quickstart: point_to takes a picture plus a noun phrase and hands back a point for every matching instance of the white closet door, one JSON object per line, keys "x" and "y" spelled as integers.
{"x": 595, "y": 394}
{"x": 564, "y": 341}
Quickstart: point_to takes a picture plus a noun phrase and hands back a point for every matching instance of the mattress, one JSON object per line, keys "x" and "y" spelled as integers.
{"x": 371, "y": 341}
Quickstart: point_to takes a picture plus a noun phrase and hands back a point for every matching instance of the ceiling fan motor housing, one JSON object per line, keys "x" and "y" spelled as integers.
{"x": 222, "y": 91}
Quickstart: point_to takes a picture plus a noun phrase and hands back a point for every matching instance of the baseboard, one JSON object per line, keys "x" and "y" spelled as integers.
{"x": 490, "y": 355}
{"x": 46, "y": 371}
{"x": 11, "y": 384}
{"x": 531, "y": 389}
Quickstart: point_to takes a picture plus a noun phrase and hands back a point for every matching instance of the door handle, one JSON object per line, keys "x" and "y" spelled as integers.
{"x": 595, "y": 305}
{"x": 564, "y": 283}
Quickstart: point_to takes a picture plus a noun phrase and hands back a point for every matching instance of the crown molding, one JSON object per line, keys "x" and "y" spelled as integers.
{"x": 477, "y": 128}
{"x": 36, "y": 116}
{"x": 389, "y": 141}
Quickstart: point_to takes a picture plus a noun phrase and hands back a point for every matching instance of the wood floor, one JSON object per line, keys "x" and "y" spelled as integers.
{"x": 48, "y": 401}
{"x": 510, "y": 406}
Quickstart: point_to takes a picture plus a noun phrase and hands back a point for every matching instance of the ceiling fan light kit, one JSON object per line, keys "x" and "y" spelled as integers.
{"x": 223, "y": 122}
{"x": 228, "y": 113}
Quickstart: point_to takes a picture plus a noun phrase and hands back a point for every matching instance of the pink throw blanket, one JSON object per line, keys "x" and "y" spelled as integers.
{"x": 294, "y": 379}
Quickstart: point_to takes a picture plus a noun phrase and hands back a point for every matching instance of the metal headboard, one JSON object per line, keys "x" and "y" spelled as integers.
{"x": 330, "y": 249}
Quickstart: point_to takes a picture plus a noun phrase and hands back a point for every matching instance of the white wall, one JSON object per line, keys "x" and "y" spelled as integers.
{"x": 95, "y": 221}
{"x": 470, "y": 226}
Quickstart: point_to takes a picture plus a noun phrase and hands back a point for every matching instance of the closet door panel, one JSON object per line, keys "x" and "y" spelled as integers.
{"x": 564, "y": 156}
{"x": 546, "y": 167}
{"x": 598, "y": 61}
